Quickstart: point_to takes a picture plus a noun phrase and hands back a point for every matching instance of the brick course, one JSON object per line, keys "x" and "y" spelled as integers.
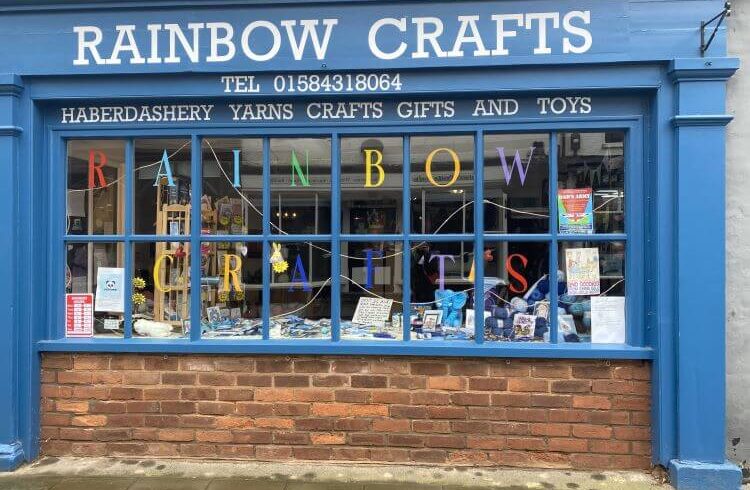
{"x": 488, "y": 412}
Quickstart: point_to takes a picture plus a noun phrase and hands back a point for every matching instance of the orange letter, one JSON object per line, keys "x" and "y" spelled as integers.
{"x": 96, "y": 170}
{"x": 456, "y": 167}
{"x": 378, "y": 165}
{"x": 228, "y": 270}
{"x": 516, "y": 274}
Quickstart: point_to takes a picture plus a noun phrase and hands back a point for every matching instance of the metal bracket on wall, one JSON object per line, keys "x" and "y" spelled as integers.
{"x": 719, "y": 18}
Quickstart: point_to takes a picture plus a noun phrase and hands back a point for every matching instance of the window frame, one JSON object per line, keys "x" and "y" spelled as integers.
{"x": 635, "y": 209}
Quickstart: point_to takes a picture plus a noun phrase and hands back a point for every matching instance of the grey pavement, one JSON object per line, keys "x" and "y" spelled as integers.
{"x": 166, "y": 474}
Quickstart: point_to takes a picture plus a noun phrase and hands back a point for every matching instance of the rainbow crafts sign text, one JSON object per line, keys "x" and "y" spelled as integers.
{"x": 261, "y": 40}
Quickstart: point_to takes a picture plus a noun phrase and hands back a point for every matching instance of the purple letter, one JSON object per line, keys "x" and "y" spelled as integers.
{"x": 508, "y": 172}
{"x": 441, "y": 268}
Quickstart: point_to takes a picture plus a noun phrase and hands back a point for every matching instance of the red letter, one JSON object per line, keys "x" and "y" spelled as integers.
{"x": 516, "y": 274}
{"x": 96, "y": 170}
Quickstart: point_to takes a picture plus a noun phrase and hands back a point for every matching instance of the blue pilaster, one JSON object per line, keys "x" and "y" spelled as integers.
{"x": 700, "y": 122}
{"x": 11, "y": 448}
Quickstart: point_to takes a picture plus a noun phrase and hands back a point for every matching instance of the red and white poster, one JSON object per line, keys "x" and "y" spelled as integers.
{"x": 79, "y": 315}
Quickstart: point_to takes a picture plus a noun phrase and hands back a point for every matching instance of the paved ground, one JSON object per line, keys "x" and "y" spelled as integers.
{"x": 151, "y": 474}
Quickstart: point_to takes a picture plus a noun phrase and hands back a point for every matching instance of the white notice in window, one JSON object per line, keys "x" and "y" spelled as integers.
{"x": 607, "y": 319}
{"x": 372, "y": 311}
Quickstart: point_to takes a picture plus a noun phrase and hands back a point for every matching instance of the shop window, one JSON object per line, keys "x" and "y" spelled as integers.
{"x": 591, "y": 301}
{"x": 371, "y": 290}
{"x": 301, "y": 185}
{"x": 442, "y": 184}
{"x": 161, "y": 289}
{"x": 517, "y": 293}
{"x": 162, "y": 187}
{"x": 441, "y": 290}
{"x": 96, "y": 187}
{"x": 231, "y": 195}
{"x": 301, "y": 291}
{"x": 587, "y": 167}
{"x": 553, "y": 250}
{"x": 231, "y": 290}
{"x": 95, "y": 269}
{"x": 371, "y": 185}
{"x": 516, "y": 183}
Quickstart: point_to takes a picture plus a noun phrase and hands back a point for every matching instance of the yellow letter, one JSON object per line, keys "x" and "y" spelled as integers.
{"x": 228, "y": 270}
{"x": 378, "y": 165}
{"x": 157, "y": 281}
{"x": 456, "y": 167}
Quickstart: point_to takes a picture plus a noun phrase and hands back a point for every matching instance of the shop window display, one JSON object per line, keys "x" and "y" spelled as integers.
{"x": 95, "y": 269}
{"x": 371, "y": 290}
{"x": 161, "y": 289}
{"x": 441, "y": 290}
{"x": 594, "y": 286}
{"x": 516, "y": 299}
{"x": 300, "y": 290}
{"x": 231, "y": 290}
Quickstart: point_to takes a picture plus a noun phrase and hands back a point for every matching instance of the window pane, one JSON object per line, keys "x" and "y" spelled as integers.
{"x": 96, "y": 268}
{"x": 161, "y": 308}
{"x": 516, "y": 183}
{"x": 591, "y": 182}
{"x": 516, "y": 300}
{"x": 231, "y": 290}
{"x": 371, "y": 290}
{"x": 162, "y": 187}
{"x": 96, "y": 187}
{"x": 301, "y": 185}
{"x": 593, "y": 271}
{"x": 301, "y": 291}
{"x": 371, "y": 185}
{"x": 441, "y": 290}
{"x": 442, "y": 179}
{"x": 232, "y": 198}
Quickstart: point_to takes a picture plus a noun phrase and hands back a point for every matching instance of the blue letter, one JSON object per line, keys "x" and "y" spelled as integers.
{"x": 369, "y": 253}
{"x": 167, "y": 172}
{"x": 236, "y": 168}
{"x": 441, "y": 267}
{"x": 302, "y": 275}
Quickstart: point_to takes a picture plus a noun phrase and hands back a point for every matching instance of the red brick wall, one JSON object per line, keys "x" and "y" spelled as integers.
{"x": 526, "y": 413}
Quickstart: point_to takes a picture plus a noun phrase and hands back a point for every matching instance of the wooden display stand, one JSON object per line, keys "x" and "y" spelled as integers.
{"x": 173, "y": 305}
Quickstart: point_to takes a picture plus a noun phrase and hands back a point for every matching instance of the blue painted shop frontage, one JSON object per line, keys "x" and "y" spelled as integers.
{"x": 359, "y": 180}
